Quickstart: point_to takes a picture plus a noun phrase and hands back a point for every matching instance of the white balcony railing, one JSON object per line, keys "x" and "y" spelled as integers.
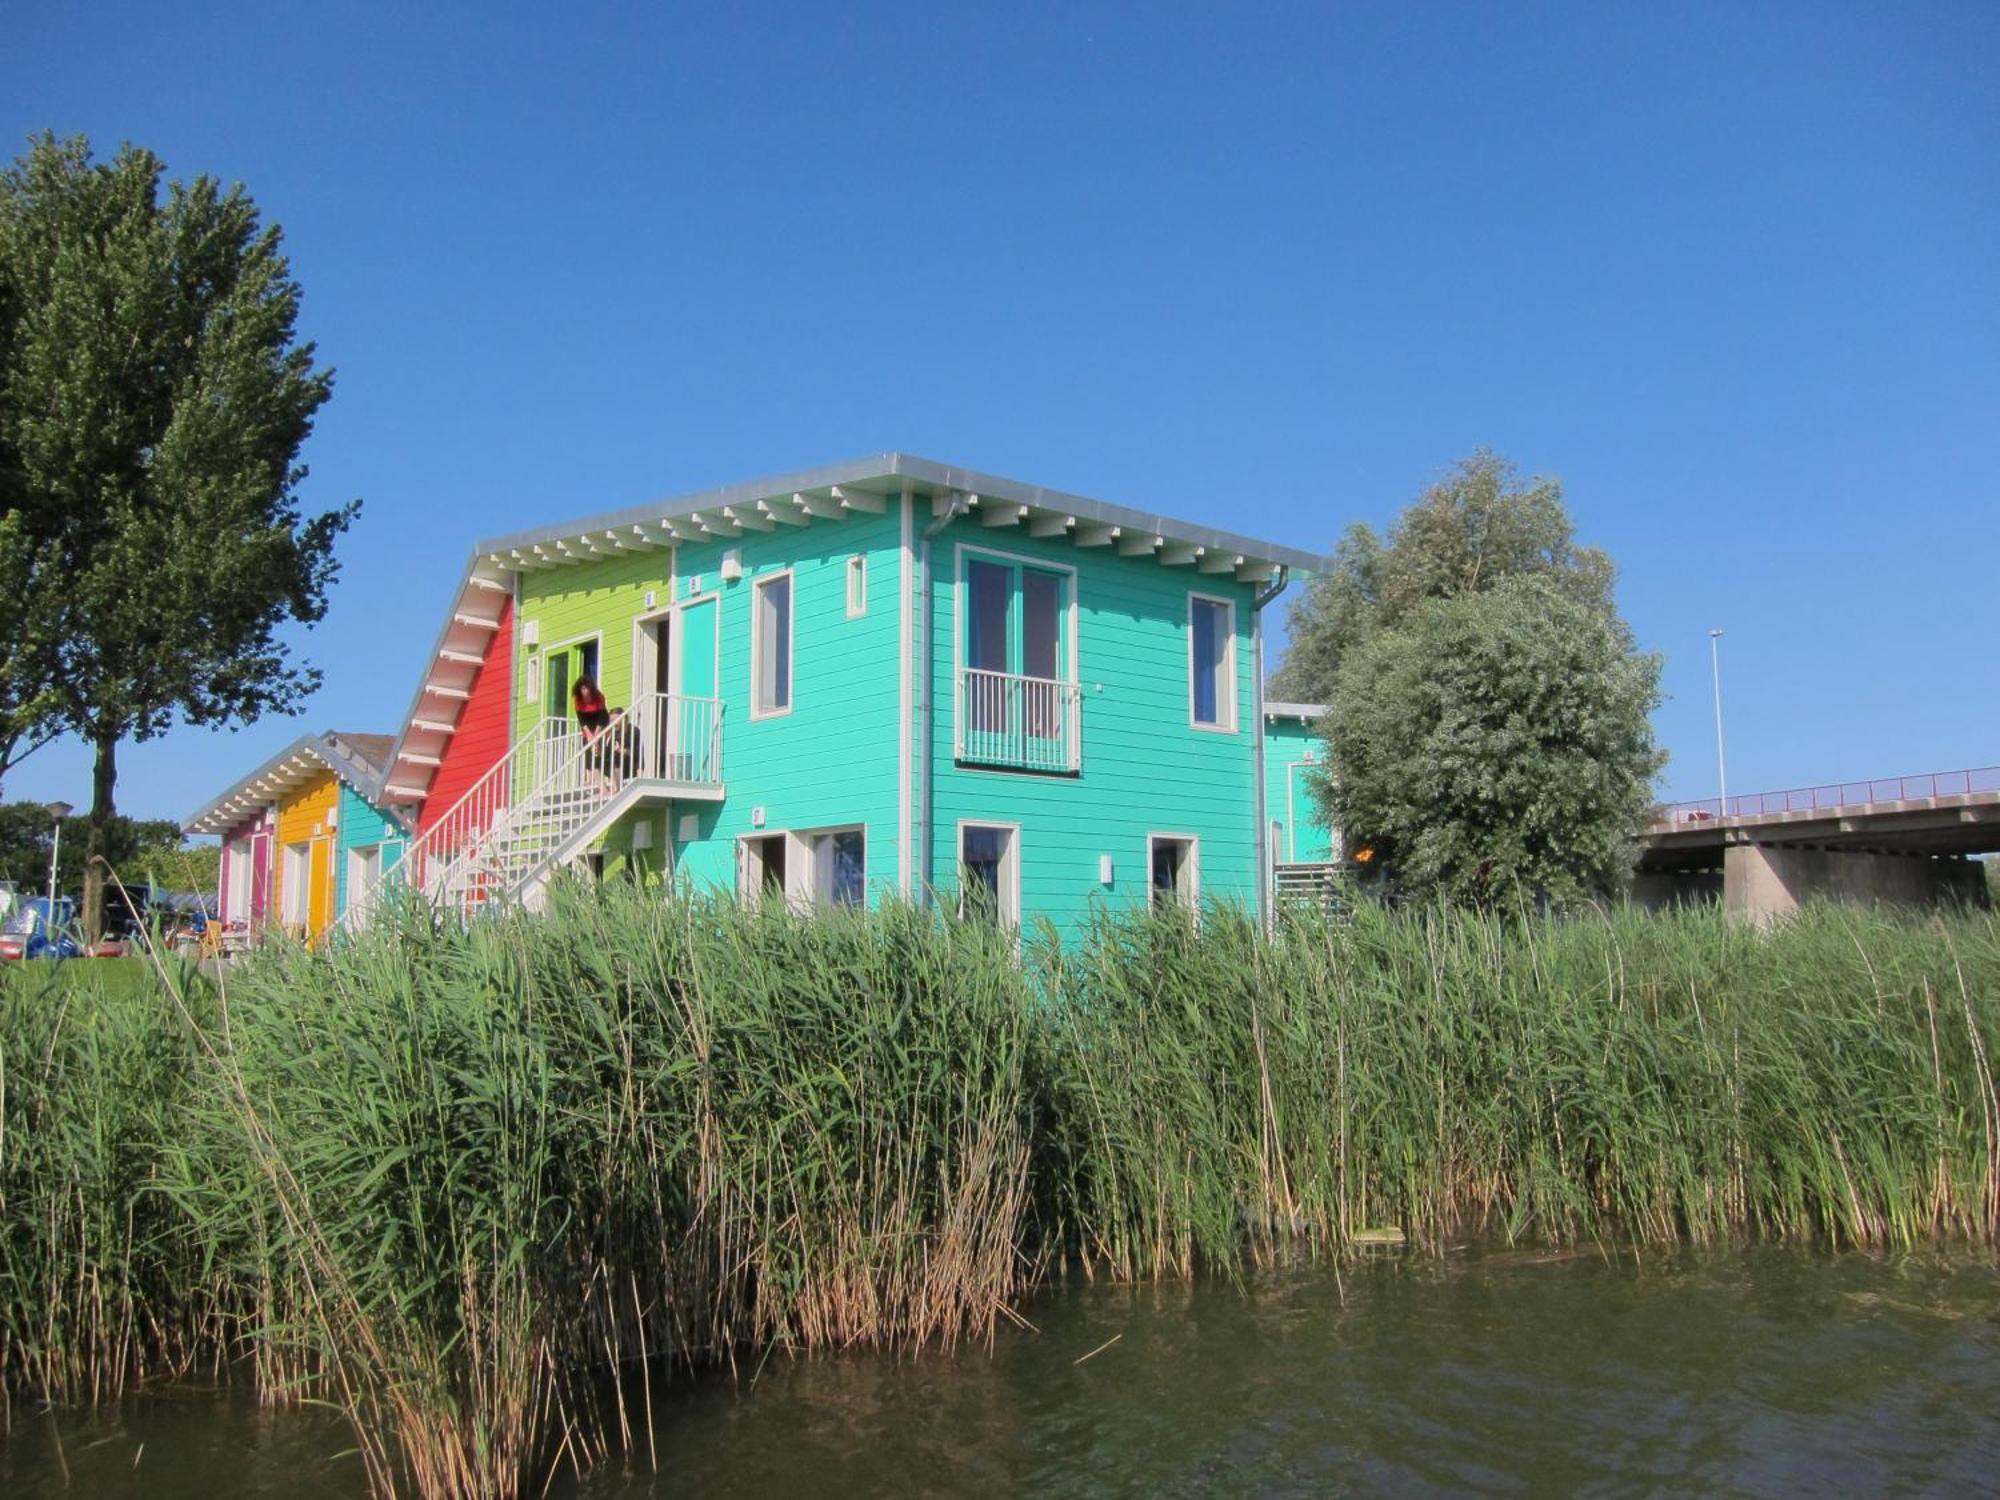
{"x": 1024, "y": 723}
{"x": 546, "y": 792}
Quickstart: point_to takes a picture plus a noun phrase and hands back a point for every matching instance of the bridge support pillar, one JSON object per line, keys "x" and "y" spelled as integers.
{"x": 1763, "y": 883}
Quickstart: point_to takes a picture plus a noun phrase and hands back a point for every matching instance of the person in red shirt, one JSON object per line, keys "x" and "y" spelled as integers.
{"x": 593, "y": 718}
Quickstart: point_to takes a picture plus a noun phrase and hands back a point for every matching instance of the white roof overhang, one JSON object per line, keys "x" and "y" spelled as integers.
{"x": 836, "y": 491}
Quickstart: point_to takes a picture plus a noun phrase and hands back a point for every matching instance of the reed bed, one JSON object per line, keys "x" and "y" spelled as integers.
{"x": 483, "y": 1187}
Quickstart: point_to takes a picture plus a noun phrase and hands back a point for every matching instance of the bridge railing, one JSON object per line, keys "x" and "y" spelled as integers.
{"x": 1832, "y": 796}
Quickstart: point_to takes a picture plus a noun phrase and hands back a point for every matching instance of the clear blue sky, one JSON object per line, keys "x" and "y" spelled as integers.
{"x": 1732, "y": 273}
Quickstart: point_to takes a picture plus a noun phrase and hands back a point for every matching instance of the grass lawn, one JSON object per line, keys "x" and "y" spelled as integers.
{"x": 116, "y": 976}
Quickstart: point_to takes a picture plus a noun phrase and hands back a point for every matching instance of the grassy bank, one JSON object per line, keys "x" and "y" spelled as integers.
{"x": 482, "y": 1188}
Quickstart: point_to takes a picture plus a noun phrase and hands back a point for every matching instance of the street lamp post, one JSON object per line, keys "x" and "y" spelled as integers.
{"x": 58, "y": 811}
{"x": 1721, "y": 766}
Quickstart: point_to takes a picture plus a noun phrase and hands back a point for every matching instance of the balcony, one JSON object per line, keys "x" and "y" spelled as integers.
{"x": 1019, "y": 723}
{"x": 659, "y": 738}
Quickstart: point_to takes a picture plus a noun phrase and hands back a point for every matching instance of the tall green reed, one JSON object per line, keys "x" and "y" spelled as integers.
{"x": 1219, "y": 1098}
{"x": 482, "y": 1186}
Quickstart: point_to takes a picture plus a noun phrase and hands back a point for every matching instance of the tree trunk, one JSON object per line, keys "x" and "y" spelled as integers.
{"x": 103, "y": 783}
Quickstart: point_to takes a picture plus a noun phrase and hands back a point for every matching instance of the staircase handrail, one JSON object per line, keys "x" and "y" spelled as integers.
{"x": 420, "y": 848}
{"x": 584, "y": 744}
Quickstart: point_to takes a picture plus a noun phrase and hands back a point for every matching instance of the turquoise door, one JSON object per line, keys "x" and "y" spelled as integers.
{"x": 1306, "y": 836}
{"x": 694, "y": 730}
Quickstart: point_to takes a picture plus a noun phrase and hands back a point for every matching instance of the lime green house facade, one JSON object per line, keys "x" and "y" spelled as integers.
{"x": 891, "y": 676}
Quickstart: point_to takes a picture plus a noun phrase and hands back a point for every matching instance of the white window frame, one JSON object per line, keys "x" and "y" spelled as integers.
{"x": 1225, "y": 691}
{"x": 540, "y": 684}
{"x": 1010, "y": 868}
{"x": 857, "y": 586}
{"x": 295, "y": 885}
{"x": 1191, "y": 897}
{"x": 819, "y": 846}
{"x": 757, "y": 587}
{"x": 751, "y": 894}
{"x": 364, "y": 866}
{"x": 644, "y": 654}
{"x": 242, "y": 876}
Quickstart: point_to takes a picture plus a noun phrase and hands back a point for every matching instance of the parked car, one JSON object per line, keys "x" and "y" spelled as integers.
{"x": 34, "y": 930}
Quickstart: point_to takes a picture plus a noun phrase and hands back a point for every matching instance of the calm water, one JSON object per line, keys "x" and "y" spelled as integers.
{"x": 1772, "y": 1373}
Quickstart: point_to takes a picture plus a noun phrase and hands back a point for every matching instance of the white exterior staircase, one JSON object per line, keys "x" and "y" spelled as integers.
{"x": 552, "y": 796}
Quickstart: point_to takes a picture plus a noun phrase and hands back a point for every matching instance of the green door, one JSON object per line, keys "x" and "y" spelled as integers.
{"x": 561, "y": 667}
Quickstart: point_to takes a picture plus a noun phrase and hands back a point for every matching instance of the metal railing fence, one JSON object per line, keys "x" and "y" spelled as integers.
{"x": 1833, "y": 796}
{"x": 1026, "y": 723}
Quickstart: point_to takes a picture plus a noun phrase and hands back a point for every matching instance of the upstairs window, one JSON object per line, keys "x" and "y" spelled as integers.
{"x": 1016, "y": 619}
{"x": 1211, "y": 663}
{"x": 857, "y": 587}
{"x": 771, "y": 646}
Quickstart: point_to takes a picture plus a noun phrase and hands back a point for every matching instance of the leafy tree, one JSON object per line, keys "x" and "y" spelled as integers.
{"x": 138, "y": 849}
{"x": 1496, "y": 744}
{"x": 28, "y": 706}
{"x": 152, "y": 406}
{"x": 1471, "y": 531}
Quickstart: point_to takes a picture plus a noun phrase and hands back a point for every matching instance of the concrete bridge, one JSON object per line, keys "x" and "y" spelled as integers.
{"x": 1903, "y": 840}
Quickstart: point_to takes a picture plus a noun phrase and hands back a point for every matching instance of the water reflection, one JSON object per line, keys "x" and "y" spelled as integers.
{"x": 192, "y": 1444}
{"x": 1770, "y": 1373}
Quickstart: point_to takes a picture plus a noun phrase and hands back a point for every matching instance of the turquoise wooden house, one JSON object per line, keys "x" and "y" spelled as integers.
{"x": 1305, "y": 851}
{"x": 886, "y": 676}
{"x": 1293, "y": 755}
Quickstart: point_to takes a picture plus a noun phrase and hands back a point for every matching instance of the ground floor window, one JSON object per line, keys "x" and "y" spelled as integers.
{"x": 840, "y": 867}
{"x": 989, "y": 872}
{"x": 761, "y": 869}
{"x": 297, "y": 883}
{"x": 1174, "y": 863}
{"x": 363, "y": 867}
{"x": 240, "y": 869}
{"x": 810, "y": 867}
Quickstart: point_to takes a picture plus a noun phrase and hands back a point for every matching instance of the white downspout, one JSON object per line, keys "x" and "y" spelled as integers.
{"x": 1265, "y": 873}
{"x": 926, "y": 863}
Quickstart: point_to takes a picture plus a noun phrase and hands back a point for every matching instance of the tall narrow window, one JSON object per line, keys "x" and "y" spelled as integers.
{"x": 293, "y": 898}
{"x": 241, "y": 854}
{"x": 840, "y": 867}
{"x": 857, "y": 586}
{"x": 762, "y": 871}
{"x": 363, "y": 866}
{"x": 989, "y": 589}
{"x": 1211, "y": 662}
{"x": 989, "y": 873}
{"x": 1175, "y": 871}
{"x": 772, "y": 646}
